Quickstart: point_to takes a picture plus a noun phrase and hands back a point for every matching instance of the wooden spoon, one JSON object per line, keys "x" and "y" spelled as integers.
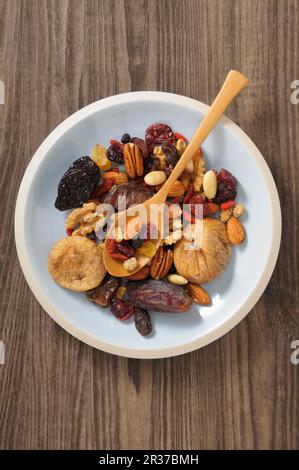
{"x": 233, "y": 84}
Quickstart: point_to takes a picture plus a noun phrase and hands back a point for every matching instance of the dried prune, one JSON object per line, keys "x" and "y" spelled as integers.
{"x": 122, "y": 309}
{"x": 115, "y": 153}
{"x": 125, "y": 138}
{"x": 142, "y": 146}
{"x": 142, "y": 321}
{"x": 226, "y": 187}
{"x": 158, "y": 134}
{"x": 77, "y": 184}
{"x": 132, "y": 193}
{"x": 171, "y": 154}
{"x": 103, "y": 294}
{"x": 159, "y": 296}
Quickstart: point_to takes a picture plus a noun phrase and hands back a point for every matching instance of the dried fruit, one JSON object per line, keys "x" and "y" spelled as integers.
{"x": 157, "y": 134}
{"x": 76, "y": 263}
{"x": 131, "y": 193}
{"x": 115, "y": 153}
{"x": 179, "y": 136}
{"x": 77, "y": 184}
{"x": 198, "y": 294}
{"x": 122, "y": 309}
{"x": 161, "y": 263}
{"x": 177, "y": 189}
{"x": 118, "y": 177}
{"x": 103, "y": 294}
{"x": 133, "y": 160}
{"x": 125, "y": 138}
{"x": 213, "y": 207}
{"x": 120, "y": 293}
{"x": 154, "y": 178}
{"x": 130, "y": 264}
{"x": 209, "y": 184}
{"x": 171, "y": 154}
{"x": 159, "y": 296}
{"x": 235, "y": 231}
{"x": 103, "y": 189}
{"x": 226, "y": 187}
{"x": 147, "y": 249}
{"x": 210, "y": 259}
{"x": 143, "y": 273}
{"x": 100, "y": 158}
{"x": 177, "y": 279}
{"x": 125, "y": 248}
{"x": 142, "y": 146}
{"x": 142, "y": 321}
{"x": 227, "y": 205}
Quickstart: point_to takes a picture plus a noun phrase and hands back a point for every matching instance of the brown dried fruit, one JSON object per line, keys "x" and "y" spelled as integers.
{"x": 161, "y": 263}
{"x": 160, "y": 296}
{"x": 208, "y": 261}
{"x": 133, "y": 160}
{"x": 235, "y": 231}
{"x": 132, "y": 193}
{"x": 143, "y": 273}
{"x": 198, "y": 294}
{"x": 103, "y": 294}
{"x": 142, "y": 321}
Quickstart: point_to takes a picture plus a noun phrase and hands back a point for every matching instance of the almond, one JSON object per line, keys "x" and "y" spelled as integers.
{"x": 209, "y": 184}
{"x": 161, "y": 263}
{"x": 177, "y": 189}
{"x": 235, "y": 231}
{"x": 133, "y": 160}
{"x": 143, "y": 273}
{"x": 154, "y": 178}
{"x": 198, "y": 294}
{"x": 118, "y": 177}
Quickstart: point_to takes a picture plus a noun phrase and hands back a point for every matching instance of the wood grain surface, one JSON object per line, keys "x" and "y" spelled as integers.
{"x": 241, "y": 392}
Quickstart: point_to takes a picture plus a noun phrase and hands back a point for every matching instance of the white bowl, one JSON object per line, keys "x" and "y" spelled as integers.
{"x": 38, "y": 225}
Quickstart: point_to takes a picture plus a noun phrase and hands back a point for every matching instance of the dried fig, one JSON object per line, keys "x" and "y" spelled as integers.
{"x": 204, "y": 264}
{"x": 160, "y": 296}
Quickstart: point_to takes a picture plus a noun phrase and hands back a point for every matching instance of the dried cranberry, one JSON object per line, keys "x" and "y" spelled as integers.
{"x": 125, "y": 248}
{"x": 77, "y": 184}
{"x": 142, "y": 146}
{"x": 122, "y": 309}
{"x": 115, "y": 153}
{"x": 198, "y": 199}
{"x": 226, "y": 187}
{"x": 171, "y": 154}
{"x": 189, "y": 194}
{"x": 125, "y": 139}
{"x": 158, "y": 134}
{"x": 142, "y": 321}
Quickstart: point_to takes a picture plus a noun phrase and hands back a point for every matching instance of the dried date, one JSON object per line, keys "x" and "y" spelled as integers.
{"x": 131, "y": 192}
{"x": 103, "y": 294}
{"x": 159, "y": 296}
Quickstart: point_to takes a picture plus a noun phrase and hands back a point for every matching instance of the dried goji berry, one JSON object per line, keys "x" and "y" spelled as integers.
{"x": 189, "y": 193}
{"x": 227, "y": 205}
{"x": 180, "y": 136}
{"x": 104, "y": 188}
{"x": 119, "y": 256}
{"x": 69, "y": 231}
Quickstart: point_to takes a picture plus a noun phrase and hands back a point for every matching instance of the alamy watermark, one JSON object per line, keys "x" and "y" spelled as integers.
{"x": 2, "y": 94}
{"x": 2, "y": 353}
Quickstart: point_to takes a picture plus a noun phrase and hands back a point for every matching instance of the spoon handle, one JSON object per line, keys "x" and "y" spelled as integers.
{"x": 233, "y": 84}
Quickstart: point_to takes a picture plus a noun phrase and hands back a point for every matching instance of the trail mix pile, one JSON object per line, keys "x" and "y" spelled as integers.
{"x": 134, "y": 169}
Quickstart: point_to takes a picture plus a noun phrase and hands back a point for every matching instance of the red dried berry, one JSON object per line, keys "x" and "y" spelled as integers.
{"x": 198, "y": 199}
{"x": 180, "y": 136}
{"x": 125, "y": 248}
{"x": 122, "y": 309}
{"x": 226, "y": 187}
{"x": 115, "y": 153}
{"x": 189, "y": 194}
{"x": 69, "y": 231}
{"x": 227, "y": 205}
{"x": 119, "y": 256}
{"x": 103, "y": 189}
{"x": 158, "y": 134}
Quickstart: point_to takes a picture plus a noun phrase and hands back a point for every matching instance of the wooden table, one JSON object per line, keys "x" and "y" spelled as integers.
{"x": 241, "y": 392}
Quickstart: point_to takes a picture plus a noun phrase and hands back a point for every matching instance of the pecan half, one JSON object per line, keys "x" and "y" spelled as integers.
{"x": 133, "y": 160}
{"x": 161, "y": 263}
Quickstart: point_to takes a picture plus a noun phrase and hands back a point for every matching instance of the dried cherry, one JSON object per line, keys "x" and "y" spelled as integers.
{"x": 77, "y": 184}
{"x": 122, "y": 309}
{"x": 103, "y": 294}
{"x": 159, "y": 296}
{"x": 115, "y": 153}
{"x": 226, "y": 187}
{"x": 158, "y": 134}
{"x": 142, "y": 321}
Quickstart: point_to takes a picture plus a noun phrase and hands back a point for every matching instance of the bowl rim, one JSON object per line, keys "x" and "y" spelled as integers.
{"x": 24, "y": 189}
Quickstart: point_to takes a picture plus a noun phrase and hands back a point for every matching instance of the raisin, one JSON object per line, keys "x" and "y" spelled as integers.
{"x": 142, "y": 321}
{"x": 125, "y": 248}
{"x": 171, "y": 154}
{"x": 158, "y": 134}
{"x": 226, "y": 187}
{"x": 142, "y": 146}
{"x": 159, "y": 296}
{"x": 77, "y": 184}
{"x": 125, "y": 139}
{"x": 103, "y": 294}
{"x": 115, "y": 153}
{"x": 122, "y": 309}
{"x": 133, "y": 194}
